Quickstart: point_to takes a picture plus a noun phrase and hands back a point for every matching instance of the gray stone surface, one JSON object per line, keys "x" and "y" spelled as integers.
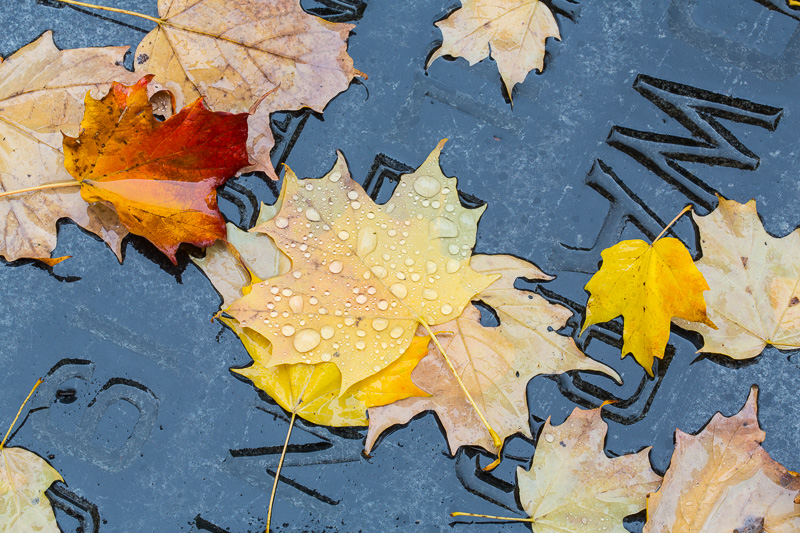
{"x": 158, "y": 434}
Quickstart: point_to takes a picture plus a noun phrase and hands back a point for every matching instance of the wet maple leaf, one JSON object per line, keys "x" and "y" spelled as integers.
{"x": 495, "y": 363}
{"x": 160, "y": 177}
{"x": 363, "y": 275}
{"x": 515, "y": 31}
{"x": 754, "y": 278}
{"x": 648, "y": 285}
{"x": 41, "y": 95}
{"x": 234, "y": 53}
{"x": 723, "y": 480}
{"x": 24, "y": 478}
{"x": 572, "y": 485}
{"x": 313, "y": 392}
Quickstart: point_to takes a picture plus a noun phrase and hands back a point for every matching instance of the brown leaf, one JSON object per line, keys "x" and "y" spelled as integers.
{"x": 495, "y": 363}
{"x": 723, "y": 480}
{"x": 41, "y": 95}
{"x": 234, "y": 53}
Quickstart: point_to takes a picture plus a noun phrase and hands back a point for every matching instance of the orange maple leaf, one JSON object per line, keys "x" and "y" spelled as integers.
{"x": 161, "y": 177}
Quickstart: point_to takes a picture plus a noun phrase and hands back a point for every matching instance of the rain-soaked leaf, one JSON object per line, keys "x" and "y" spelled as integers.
{"x": 364, "y": 276}
{"x": 755, "y": 283}
{"x": 648, "y": 285}
{"x": 41, "y": 95}
{"x": 233, "y": 54}
{"x": 160, "y": 177}
{"x": 513, "y": 31}
{"x": 722, "y": 480}
{"x": 495, "y": 363}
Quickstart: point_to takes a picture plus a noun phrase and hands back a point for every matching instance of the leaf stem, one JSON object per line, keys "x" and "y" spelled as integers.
{"x": 674, "y": 220}
{"x": 506, "y": 518}
{"x": 21, "y": 407}
{"x": 278, "y": 471}
{"x": 498, "y": 442}
{"x": 113, "y": 9}
{"x": 43, "y": 187}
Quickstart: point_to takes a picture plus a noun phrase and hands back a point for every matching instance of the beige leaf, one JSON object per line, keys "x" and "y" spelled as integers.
{"x": 24, "y": 477}
{"x": 42, "y": 90}
{"x": 722, "y": 480}
{"x": 574, "y": 486}
{"x": 514, "y": 30}
{"x": 755, "y": 283}
{"x": 495, "y": 363}
{"x": 235, "y": 53}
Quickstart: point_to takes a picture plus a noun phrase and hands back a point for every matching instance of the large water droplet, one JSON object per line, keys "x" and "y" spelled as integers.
{"x": 427, "y": 186}
{"x": 399, "y": 290}
{"x": 349, "y": 320}
{"x": 361, "y": 299}
{"x": 325, "y": 357}
{"x": 336, "y": 266}
{"x": 327, "y": 332}
{"x": 442, "y": 227}
{"x": 383, "y": 305}
{"x": 380, "y": 324}
{"x": 296, "y": 303}
{"x": 306, "y": 340}
{"x": 343, "y": 235}
{"x": 446, "y": 309}
{"x": 281, "y": 222}
{"x": 452, "y": 266}
{"x": 353, "y": 195}
{"x": 430, "y": 294}
{"x": 335, "y": 176}
{"x": 313, "y": 215}
{"x": 430, "y": 267}
{"x": 548, "y": 437}
{"x": 396, "y": 332}
{"x": 453, "y": 249}
{"x": 367, "y": 241}
{"x": 287, "y": 330}
{"x": 361, "y": 345}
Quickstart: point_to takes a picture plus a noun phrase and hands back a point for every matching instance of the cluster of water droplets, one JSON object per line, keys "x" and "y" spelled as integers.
{"x": 363, "y": 272}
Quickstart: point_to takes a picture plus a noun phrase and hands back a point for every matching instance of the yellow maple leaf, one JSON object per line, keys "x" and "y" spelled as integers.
{"x": 755, "y": 283}
{"x": 722, "y": 479}
{"x": 647, "y": 285}
{"x": 364, "y": 276}
{"x": 514, "y": 30}
{"x": 24, "y": 478}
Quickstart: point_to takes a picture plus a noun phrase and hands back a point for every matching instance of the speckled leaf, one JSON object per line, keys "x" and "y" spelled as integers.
{"x": 24, "y": 477}
{"x": 363, "y": 275}
{"x": 755, "y": 283}
{"x": 723, "y": 480}
{"x": 495, "y": 363}
{"x": 572, "y": 485}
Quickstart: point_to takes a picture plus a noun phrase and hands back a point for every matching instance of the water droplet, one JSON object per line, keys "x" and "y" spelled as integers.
{"x": 548, "y": 437}
{"x": 335, "y": 176}
{"x": 430, "y": 267}
{"x": 281, "y": 222}
{"x": 367, "y": 241}
{"x": 306, "y": 340}
{"x": 376, "y": 368}
{"x": 274, "y": 289}
{"x": 584, "y": 520}
{"x": 442, "y": 227}
{"x": 415, "y": 277}
{"x": 390, "y": 208}
{"x": 361, "y": 345}
{"x": 323, "y": 311}
{"x": 286, "y": 292}
{"x": 327, "y": 332}
{"x": 446, "y": 309}
{"x": 399, "y": 290}
{"x": 400, "y": 275}
{"x": 392, "y": 233}
{"x": 287, "y": 330}
{"x": 361, "y": 333}
{"x": 336, "y": 267}
{"x": 427, "y": 186}
{"x": 325, "y": 357}
{"x": 380, "y": 324}
{"x": 313, "y": 300}
{"x": 296, "y": 303}
{"x": 409, "y": 262}
{"x": 313, "y": 215}
{"x": 349, "y": 320}
{"x": 379, "y": 271}
{"x": 430, "y": 294}
{"x": 452, "y": 266}
{"x": 371, "y": 290}
{"x": 396, "y": 332}
{"x": 355, "y": 205}
{"x": 383, "y": 305}
{"x": 343, "y": 235}
{"x": 297, "y": 274}
{"x": 361, "y": 299}
{"x": 353, "y": 195}
{"x": 453, "y": 249}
